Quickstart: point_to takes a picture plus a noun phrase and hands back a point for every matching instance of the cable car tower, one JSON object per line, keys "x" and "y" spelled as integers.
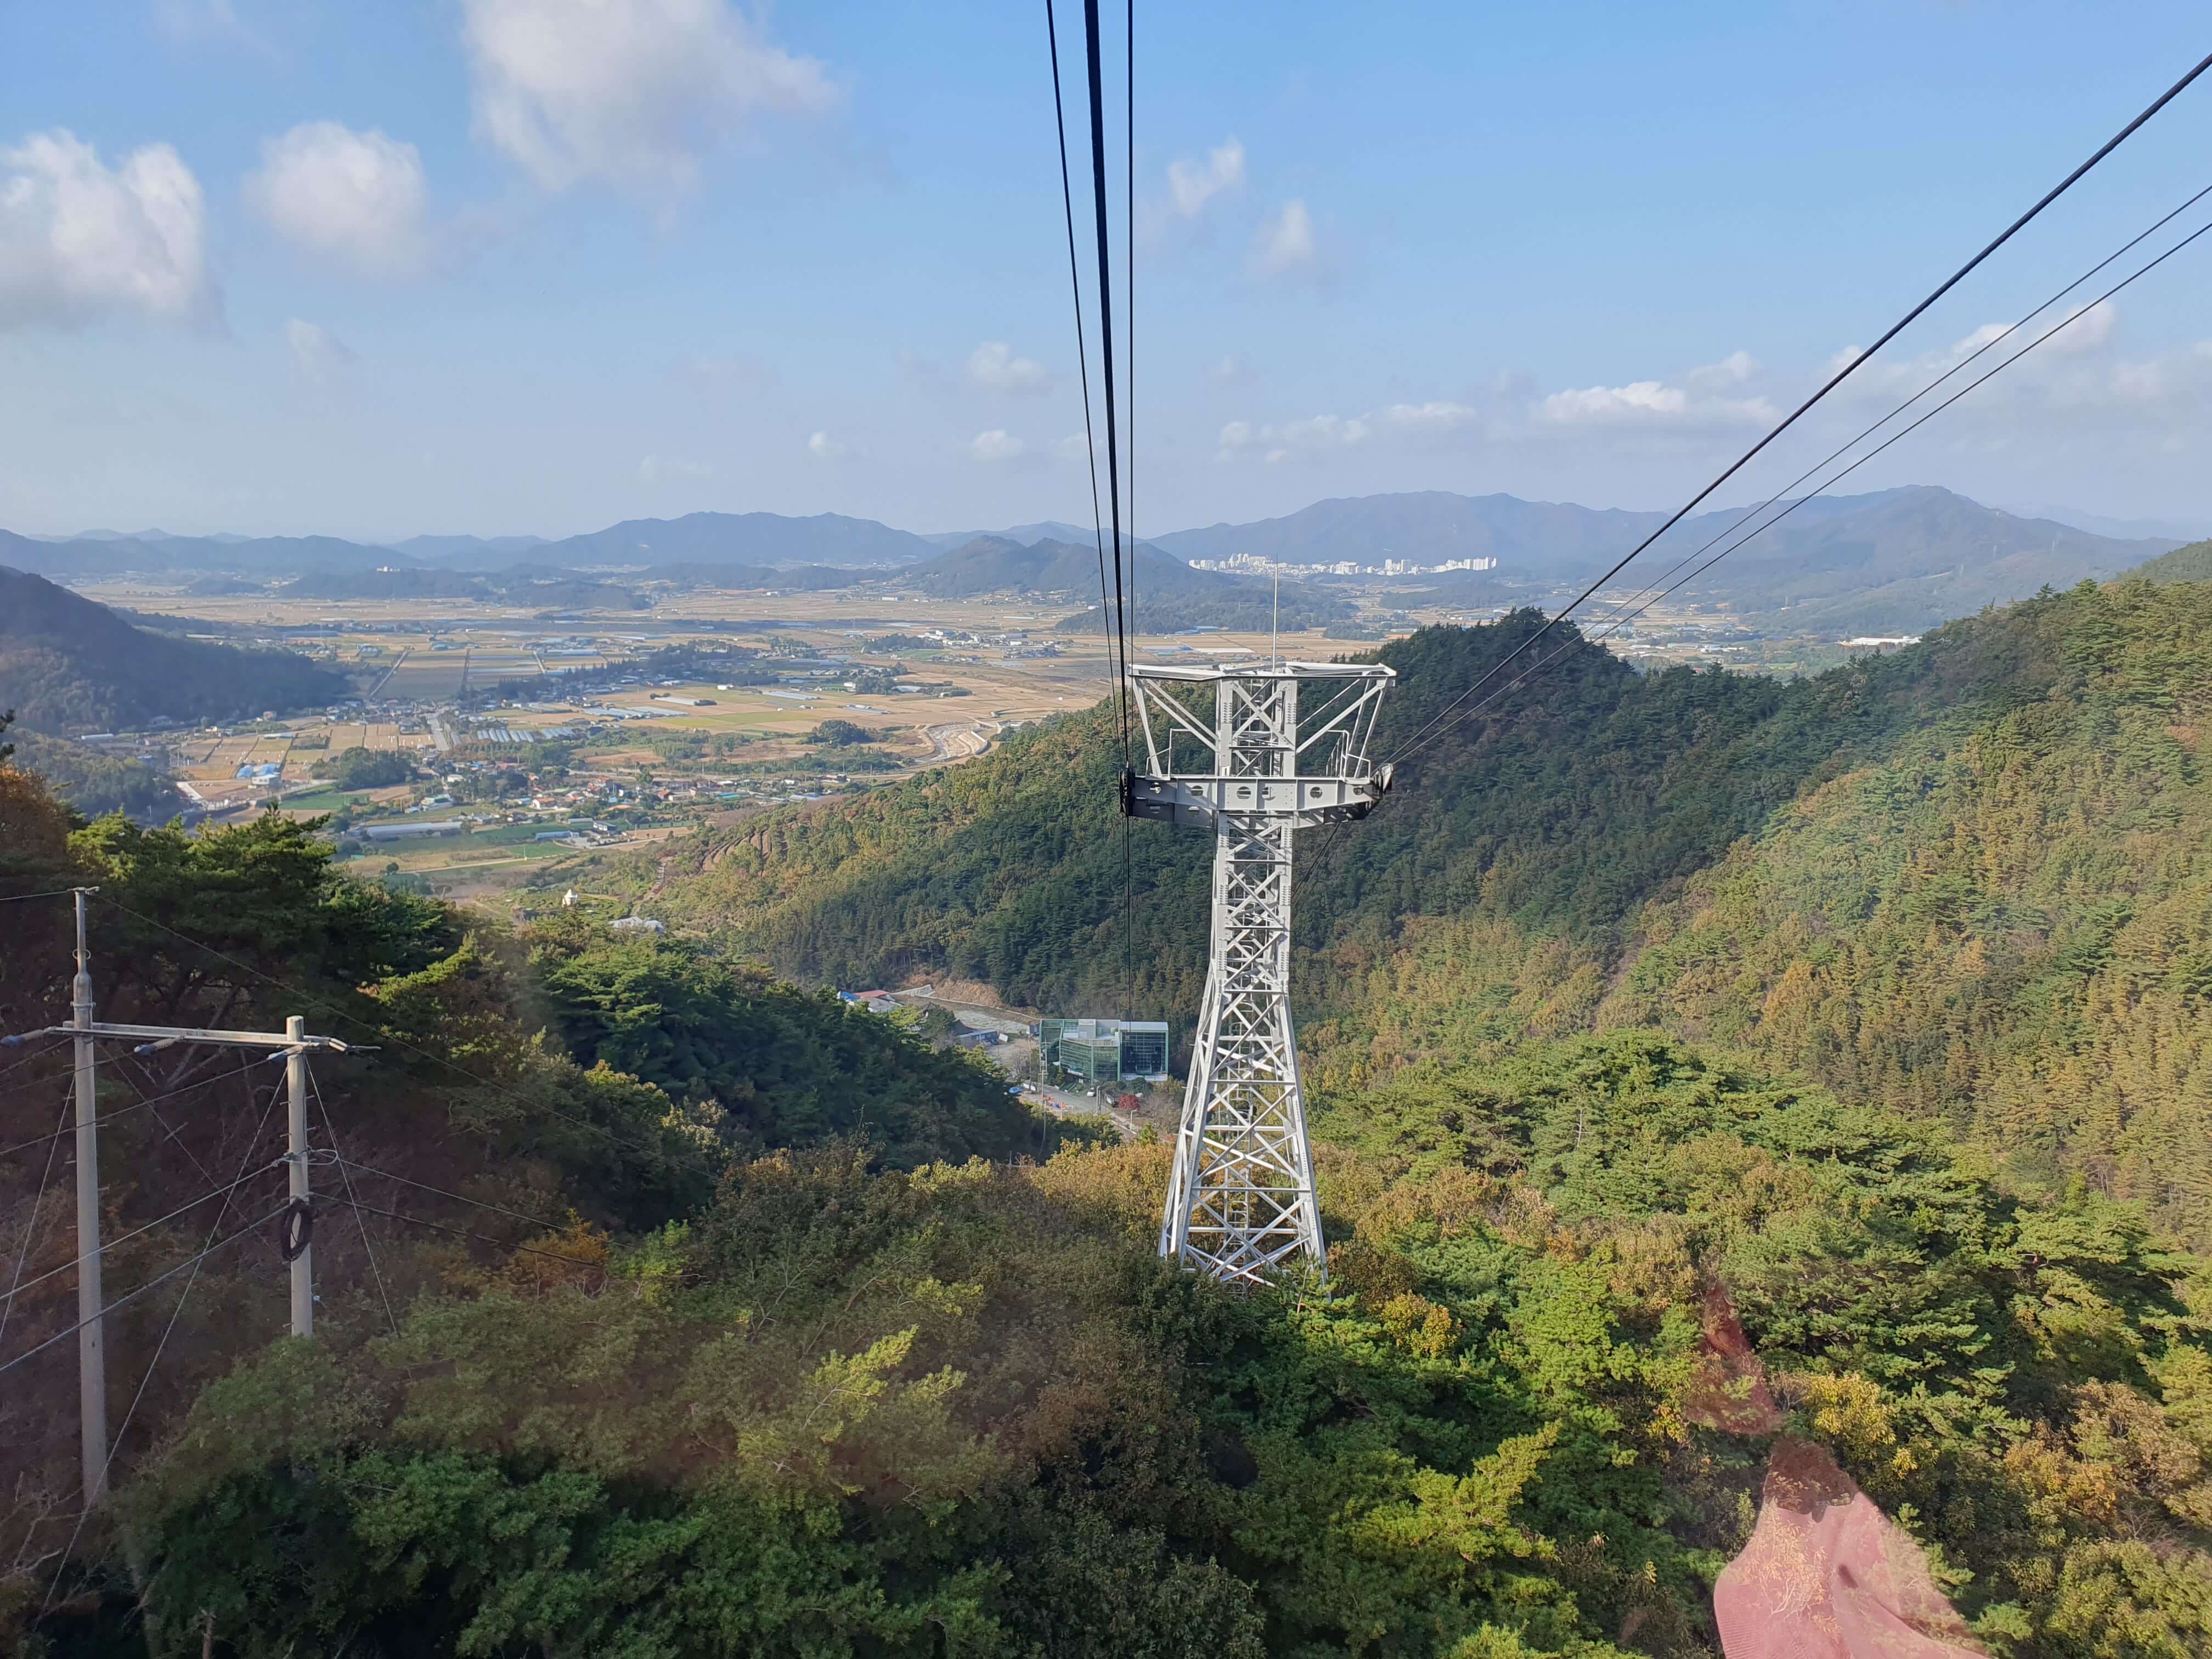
{"x": 1241, "y": 1194}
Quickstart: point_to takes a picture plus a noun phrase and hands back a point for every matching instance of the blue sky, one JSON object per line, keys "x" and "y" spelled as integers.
{"x": 537, "y": 265}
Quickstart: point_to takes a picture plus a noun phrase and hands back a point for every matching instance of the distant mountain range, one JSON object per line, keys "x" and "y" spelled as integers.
{"x": 1896, "y": 561}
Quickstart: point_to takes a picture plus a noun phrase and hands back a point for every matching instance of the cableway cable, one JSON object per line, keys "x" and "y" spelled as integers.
{"x": 1106, "y": 344}
{"x": 1130, "y": 347}
{"x": 1082, "y": 350}
{"x": 1793, "y": 506}
{"x": 1958, "y": 367}
{"x": 1834, "y": 381}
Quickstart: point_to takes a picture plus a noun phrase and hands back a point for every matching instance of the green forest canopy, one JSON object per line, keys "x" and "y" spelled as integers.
{"x": 778, "y": 1350}
{"x": 1961, "y": 880}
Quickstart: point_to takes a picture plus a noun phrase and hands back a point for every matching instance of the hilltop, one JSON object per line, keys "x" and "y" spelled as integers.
{"x": 1870, "y": 877}
{"x": 68, "y": 664}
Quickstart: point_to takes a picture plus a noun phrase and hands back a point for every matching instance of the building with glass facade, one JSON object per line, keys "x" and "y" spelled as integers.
{"x": 1105, "y": 1050}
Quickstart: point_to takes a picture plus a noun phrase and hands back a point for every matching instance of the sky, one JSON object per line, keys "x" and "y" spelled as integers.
{"x": 535, "y": 266}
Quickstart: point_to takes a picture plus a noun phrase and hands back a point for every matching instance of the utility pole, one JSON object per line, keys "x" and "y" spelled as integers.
{"x": 303, "y": 1264}
{"x": 91, "y": 1347}
{"x": 295, "y": 1043}
{"x": 1241, "y": 1199}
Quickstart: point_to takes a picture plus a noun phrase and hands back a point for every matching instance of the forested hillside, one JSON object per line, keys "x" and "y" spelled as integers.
{"x": 680, "y": 1329}
{"x": 1959, "y": 880}
{"x": 68, "y": 664}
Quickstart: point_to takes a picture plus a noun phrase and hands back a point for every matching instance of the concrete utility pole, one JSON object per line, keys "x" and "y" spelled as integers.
{"x": 303, "y": 1264}
{"x": 91, "y": 1350}
{"x": 1241, "y": 1199}
{"x": 295, "y": 1043}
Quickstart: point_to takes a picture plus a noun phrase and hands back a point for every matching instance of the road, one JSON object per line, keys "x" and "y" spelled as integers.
{"x": 954, "y": 743}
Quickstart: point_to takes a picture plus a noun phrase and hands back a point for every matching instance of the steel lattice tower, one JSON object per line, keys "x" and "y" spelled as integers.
{"x": 1241, "y": 1193}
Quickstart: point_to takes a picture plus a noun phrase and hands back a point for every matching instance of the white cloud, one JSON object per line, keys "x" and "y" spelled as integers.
{"x": 194, "y": 20}
{"x": 355, "y": 198}
{"x": 1436, "y": 417}
{"x": 1637, "y": 399}
{"x": 1732, "y": 370}
{"x": 666, "y": 469}
{"x": 1650, "y": 402}
{"x": 2089, "y": 331}
{"x": 317, "y": 353}
{"x": 1230, "y": 368}
{"x": 996, "y": 448}
{"x": 1285, "y": 242}
{"x": 1192, "y": 185}
{"x": 79, "y": 240}
{"x": 1985, "y": 334}
{"x": 993, "y": 367}
{"x": 824, "y": 447}
{"x": 1075, "y": 446}
{"x": 628, "y": 92}
{"x": 1278, "y": 440}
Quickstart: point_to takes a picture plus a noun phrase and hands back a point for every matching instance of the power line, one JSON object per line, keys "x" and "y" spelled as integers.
{"x": 142, "y": 1103}
{"x": 132, "y": 1296}
{"x": 463, "y": 1232}
{"x": 345, "y": 1174}
{"x": 457, "y": 1198}
{"x": 1831, "y": 384}
{"x": 115, "y": 1445}
{"x": 388, "y": 1037}
{"x": 1792, "y": 507}
{"x": 19, "y": 898}
{"x": 109, "y": 1246}
{"x": 31, "y": 1221}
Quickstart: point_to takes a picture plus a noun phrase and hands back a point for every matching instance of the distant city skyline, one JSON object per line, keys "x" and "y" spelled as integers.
{"x": 534, "y": 267}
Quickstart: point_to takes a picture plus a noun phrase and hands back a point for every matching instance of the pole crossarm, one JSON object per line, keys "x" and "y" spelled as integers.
{"x": 168, "y": 1033}
{"x": 1241, "y": 1203}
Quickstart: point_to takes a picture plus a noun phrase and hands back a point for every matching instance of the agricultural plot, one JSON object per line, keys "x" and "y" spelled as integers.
{"x": 426, "y": 677}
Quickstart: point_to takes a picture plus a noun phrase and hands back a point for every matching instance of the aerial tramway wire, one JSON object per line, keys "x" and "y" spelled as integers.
{"x": 1621, "y": 618}
{"x": 1114, "y": 611}
{"x": 1864, "y": 433}
{"x": 1082, "y": 348}
{"x": 1834, "y": 381}
{"x": 1106, "y": 342}
{"x": 1129, "y": 346}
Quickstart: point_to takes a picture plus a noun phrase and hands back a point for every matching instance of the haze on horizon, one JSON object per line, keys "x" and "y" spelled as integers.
{"x": 498, "y": 268}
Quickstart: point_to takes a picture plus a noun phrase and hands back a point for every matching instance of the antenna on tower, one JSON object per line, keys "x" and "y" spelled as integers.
{"x": 1241, "y": 1201}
